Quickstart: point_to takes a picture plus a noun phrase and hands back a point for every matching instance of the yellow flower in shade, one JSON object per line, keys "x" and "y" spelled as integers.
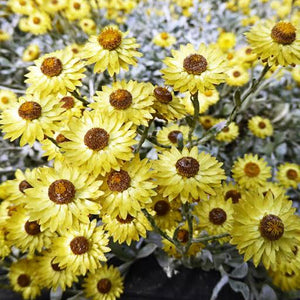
{"x": 56, "y": 72}
{"x": 51, "y": 275}
{"x": 277, "y": 43}
{"x": 7, "y": 98}
{"x": 164, "y": 40}
{"x": 111, "y": 50}
{"x": 23, "y": 278}
{"x": 23, "y": 24}
{"x": 62, "y": 196}
{"x": 226, "y": 41}
{"x": 51, "y": 147}
{"x": 31, "y": 118}
{"x": 4, "y": 36}
{"x": 228, "y": 133}
{"x": 215, "y": 216}
{"x": 192, "y": 70}
{"x": 128, "y": 190}
{"x": 296, "y": 74}
{"x": 38, "y": 22}
{"x": 6, "y": 211}
{"x": 98, "y": 142}
{"x": 288, "y": 175}
{"x": 231, "y": 191}
{"x": 237, "y": 76}
{"x": 208, "y": 122}
{"x": 76, "y": 49}
{"x": 168, "y": 135}
{"x": 188, "y": 174}
{"x": 4, "y": 246}
{"x": 27, "y": 235}
{"x": 246, "y": 54}
{"x": 31, "y": 53}
{"x": 88, "y": 26}
{"x": 251, "y": 171}
{"x": 286, "y": 281}
{"x": 105, "y": 284}
{"x": 126, "y": 229}
{"x": 260, "y": 127}
{"x": 77, "y": 9}
{"x": 275, "y": 188}
{"x": 53, "y": 6}
{"x": 167, "y": 105}
{"x": 81, "y": 249}
{"x": 128, "y": 101}
{"x": 265, "y": 229}
{"x": 72, "y": 108}
{"x": 24, "y": 7}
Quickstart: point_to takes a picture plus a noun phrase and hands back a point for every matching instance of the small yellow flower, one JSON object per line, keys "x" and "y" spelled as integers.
{"x": 38, "y": 22}
{"x": 288, "y": 175}
{"x": 4, "y": 36}
{"x": 24, "y": 7}
{"x": 237, "y": 76}
{"x": 31, "y": 53}
{"x": 88, "y": 26}
{"x": 228, "y": 133}
{"x": 7, "y": 98}
{"x": 77, "y": 9}
{"x": 226, "y": 41}
{"x": 260, "y": 127}
{"x": 164, "y": 40}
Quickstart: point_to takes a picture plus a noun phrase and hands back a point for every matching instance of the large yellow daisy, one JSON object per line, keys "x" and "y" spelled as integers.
{"x": 288, "y": 175}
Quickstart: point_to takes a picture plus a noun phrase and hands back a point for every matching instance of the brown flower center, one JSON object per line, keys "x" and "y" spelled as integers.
{"x": 79, "y": 245}
{"x": 96, "y": 139}
{"x": 187, "y": 166}
{"x": 251, "y": 169}
{"x": 118, "y": 181}
{"x": 234, "y": 195}
{"x": 129, "y": 219}
{"x": 208, "y": 93}
{"x": 284, "y": 33}
{"x": 54, "y": 2}
{"x": 51, "y": 66}
{"x": 110, "y": 39}
{"x": 271, "y": 227}
{"x": 23, "y": 185}
{"x": 68, "y": 102}
{"x": 225, "y": 129}
{"x": 36, "y": 20}
{"x": 22, "y": 2}
{"x": 195, "y": 64}
{"x": 61, "y": 138}
{"x": 230, "y": 56}
{"x": 262, "y": 125}
{"x": 76, "y": 5}
{"x": 104, "y": 285}
{"x": 207, "y": 123}
{"x": 56, "y": 267}
{"x": 182, "y": 235}
{"x": 4, "y": 100}
{"x": 162, "y": 95}
{"x": 162, "y": 207}
{"x": 173, "y": 135}
{"x": 236, "y": 74}
{"x": 291, "y": 174}
{"x": 30, "y": 110}
{"x": 292, "y": 274}
{"x": 23, "y": 280}
{"x": 217, "y": 216}
{"x": 61, "y": 191}
{"x": 164, "y": 35}
{"x": 32, "y": 228}
{"x": 248, "y": 51}
{"x": 120, "y": 99}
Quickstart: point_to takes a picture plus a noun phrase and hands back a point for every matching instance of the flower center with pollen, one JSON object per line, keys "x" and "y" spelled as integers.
{"x": 164, "y": 35}
{"x": 234, "y": 195}
{"x": 79, "y": 245}
{"x": 208, "y": 93}
{"x": 67, "y": 102}
{"x": 61, "y": 191}
{"x": 187, "y": 166}
{"x": 283, "y": 33}
{"x": 162, "y": 95}
{"x": 291, "y": 174}
{"x": 120, "y": 99}
{"x": 162, "y": 207}
{"x": 251, "y": 169}
{"x": 118, "y": 181}
{"x": 236, "y": 74}
{"x": 110, "y": 39}
{"x": 30, "y": 110}
{"x": 195, "y": 64}
{"x": 4, "y": 100}
{"x": 271, "y": 227}
{"x": 182, "y": 235}
{"x": 76, "y": 5}
{"x": 23, "y": 280}
{"x": 23, "y": 185}
{"x": 262, "y": 125}
{"x": 129, "y": 219}
{"x": 36, "y": 20}
{"x": 173, "y": 136}
{"x": 217, "y": 216}
{"x": 104, "y": 285}
{"x": 32, "y": 228}
{"x": 51, "y": 66}
{"x": 61, "y": 139}
{"x": 96, "y": 139}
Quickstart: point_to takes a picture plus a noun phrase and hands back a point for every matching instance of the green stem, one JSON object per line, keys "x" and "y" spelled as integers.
{"x": 144, "y": 136}
{"x": 195, "y": 101}
{"x": 77, "y": 96}
{"x": 210, "y": 238}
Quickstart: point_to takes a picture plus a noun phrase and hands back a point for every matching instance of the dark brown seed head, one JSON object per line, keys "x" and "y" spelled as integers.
{"x": 271, "y": 227}
{"x": 120, "y": 99}
{"x": 51, "y": 66}
{"x": 182, "y": 235}
{"x": 129, "y": 219}
{"x": 118, "y": 181}
{"x": 68, "y": 102}
{"x": 217, "y": 216}
{"x": 251, "y": 169}
{"x": 195, "y": 64}
{"x": 104, "y": 285}
{"x": 79, "y": 245}
{"x": 173, "y": 135}
{"x": 292, "y": 174}
{"x": 32, "y": 228}
{"x": 284, "y": 33}
{"x": 163, "y": 95}
{"x": 110, "y": 39}
{"x": 24, "y": 185}
{"x": 234, "y": 195}
{"x": 96, "y": 139}
{"x": 61, "y": 191}
{"x": 162, "y": 207}
{"x": 30, "y": 110}
{"x": 23, "y": 280}
{"x": 187, "y": 166}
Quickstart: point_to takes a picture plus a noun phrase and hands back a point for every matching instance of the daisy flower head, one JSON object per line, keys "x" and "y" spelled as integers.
{"x": 111, "y": 50}
{"x": 278, "y": 43}
{"x": 105, "y": 284}
{"x": 88, "y": 26}
{"x": 38, "y": 22}
{"x": 208, "y": 121}
{"x": 164, "y": 40}
{"x": 56, "y": 72}
{"x": 53, "y": 6}
{"x": 230, "y": 191}
{"x": 260, "y": 127}
{"x": 228, "y": 133}
{"x": 226, "y": 41}
{"x": 98, "y": 142}
{"x": 77, "y": 9}
{"x": 192, "y": 70}
{"x": 31, "y": 53}
{"x": 237, "y": 76}
{"x": 288, "y": 175}
{"x": 24, "y": 7}
{"x": 188, "y": 174}
{"x": 286, "y": 281}
{"x": 7, "y": 98}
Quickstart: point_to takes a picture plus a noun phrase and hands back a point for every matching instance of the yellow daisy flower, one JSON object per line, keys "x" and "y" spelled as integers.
{"x": 226, "y": 41}
{"x": 62, "y": 196}
{"x": 126, "y": 229}
{"x": 7, "y": 98}
{"x": 208, "y": 122}
{"x": 4, "y": 36}
{"x": 24, "y": 7}
{"x": 277, "y": 43}
{"x": 105, "y": 284}
{"x": 288, "y": 175}
{"x": 286, "y": 281}
{"x": 237, "y": 76}
{"x": 31, "y": 53}
{"x": 231, "y": 191}
{"x": 251, "y": 171}
{"x": 265, "y": 228}
{"x": 53, "y": 6}
{"x": 98, "y": 142}
{"x": 30, "y": 118}
{"x": 77, "y": 9}
{"x": 38, "y": 22}
{"x": 128, "y": 190}
{"x": 72, "y": 108}
{"x": 164, "y": 40}
{"x": 229, "y": 133}
{"x": 88, "y": 26}
{"x": 188, "y": 174}
{"x": 246, "y": 54}
{"x": 127, "y": 101}
{"x": 215, "y": 216}
{"x": 111, "y": 50}
{"x": 192, "y": 70}
{"x": 51, "y": 149}
{"x": 81, "y": 249}
{"x": 275, "y": 188}
{"x": 23, "y": 278}
{"x": 56, "y": 72}
{"x": 260, "y": 127}
{"x": 23, "y": 24}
